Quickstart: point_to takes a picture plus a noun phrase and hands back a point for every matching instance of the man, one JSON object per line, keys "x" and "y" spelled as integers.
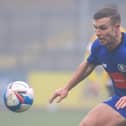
{"x": 108, "y": 50}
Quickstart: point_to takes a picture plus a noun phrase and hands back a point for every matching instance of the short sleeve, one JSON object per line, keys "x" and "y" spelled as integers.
{"x": 93, "y": 56}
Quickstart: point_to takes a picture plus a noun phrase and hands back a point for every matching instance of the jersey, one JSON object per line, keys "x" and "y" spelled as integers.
{"x": 114, "y": 62}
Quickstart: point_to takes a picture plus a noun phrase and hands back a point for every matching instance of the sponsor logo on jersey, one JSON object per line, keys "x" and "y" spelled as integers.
{"x": 119, "y": 79}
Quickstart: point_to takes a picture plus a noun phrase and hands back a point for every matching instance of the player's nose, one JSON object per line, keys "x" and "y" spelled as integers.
{"x": 98, "y": 32}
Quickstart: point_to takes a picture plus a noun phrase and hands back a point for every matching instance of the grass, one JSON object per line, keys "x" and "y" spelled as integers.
{"x": 41, "y": 118}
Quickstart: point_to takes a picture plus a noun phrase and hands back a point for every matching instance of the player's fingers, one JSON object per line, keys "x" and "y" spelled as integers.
{"x": 120, "y": 103}
{"x": 52, "y": 98}
{"x": 60, "y": 99}
{"x": 117, "y": 105}
{"x": 123, "y": 105}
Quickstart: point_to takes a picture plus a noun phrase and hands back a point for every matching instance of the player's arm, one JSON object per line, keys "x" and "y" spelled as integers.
{"x": 81, "y": 73}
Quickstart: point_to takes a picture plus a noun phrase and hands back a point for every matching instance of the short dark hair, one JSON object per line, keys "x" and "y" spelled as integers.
{"x": 108, "y": 12}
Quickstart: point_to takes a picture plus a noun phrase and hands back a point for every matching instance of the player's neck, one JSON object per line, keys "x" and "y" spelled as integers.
{"x": 119, "y": 38}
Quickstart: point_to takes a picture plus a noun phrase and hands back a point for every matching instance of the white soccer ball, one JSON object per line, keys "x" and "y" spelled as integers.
{"x": 18, "y": 96}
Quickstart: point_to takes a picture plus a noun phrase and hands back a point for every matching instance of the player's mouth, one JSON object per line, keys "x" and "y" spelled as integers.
{"x": 101, "y": 39}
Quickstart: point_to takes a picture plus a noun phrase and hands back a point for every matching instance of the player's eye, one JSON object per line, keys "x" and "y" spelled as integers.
{"x": 103, "y": 27}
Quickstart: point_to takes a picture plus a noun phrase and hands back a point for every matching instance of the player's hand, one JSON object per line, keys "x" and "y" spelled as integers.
{"x": 60, "y": 93}
{"x": 121, "y": 103}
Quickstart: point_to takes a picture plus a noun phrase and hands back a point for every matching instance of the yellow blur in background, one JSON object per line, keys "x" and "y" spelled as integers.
{"x": 86, "y": 94}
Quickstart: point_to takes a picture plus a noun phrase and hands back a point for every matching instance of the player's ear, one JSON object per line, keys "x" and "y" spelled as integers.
{"x": 116, "y": 28}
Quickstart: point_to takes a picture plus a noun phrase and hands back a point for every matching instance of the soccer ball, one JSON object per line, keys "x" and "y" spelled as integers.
{"x": 18, "y": 96}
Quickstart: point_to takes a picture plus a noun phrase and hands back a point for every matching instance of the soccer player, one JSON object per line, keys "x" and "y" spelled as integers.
{"x": 108, "y": 50}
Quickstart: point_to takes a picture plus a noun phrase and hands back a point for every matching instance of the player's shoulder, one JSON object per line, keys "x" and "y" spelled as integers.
{"x": 124, "y": 36}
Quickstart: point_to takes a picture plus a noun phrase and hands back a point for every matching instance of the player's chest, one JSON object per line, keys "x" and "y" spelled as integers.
{"x": 114, "y": 61}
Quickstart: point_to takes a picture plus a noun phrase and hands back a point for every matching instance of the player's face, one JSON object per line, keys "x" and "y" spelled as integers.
{"x": 106, "y": 31}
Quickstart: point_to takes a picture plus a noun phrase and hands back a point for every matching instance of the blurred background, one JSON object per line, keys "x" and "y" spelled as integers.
{"x": 42, "y": 42}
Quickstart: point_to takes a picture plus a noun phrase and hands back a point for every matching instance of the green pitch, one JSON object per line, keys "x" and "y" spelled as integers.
{"x": 41, "y": 118}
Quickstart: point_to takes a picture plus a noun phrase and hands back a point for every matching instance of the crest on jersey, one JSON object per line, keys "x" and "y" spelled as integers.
{"x": 121, "y": 67}
{"x": 104, "y": 65}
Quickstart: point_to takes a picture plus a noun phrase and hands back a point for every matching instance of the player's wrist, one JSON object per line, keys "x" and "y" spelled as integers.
{"x": 67, "y": 88}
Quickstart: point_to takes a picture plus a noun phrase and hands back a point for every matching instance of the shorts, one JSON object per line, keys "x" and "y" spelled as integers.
{"x": 112, "y": 101}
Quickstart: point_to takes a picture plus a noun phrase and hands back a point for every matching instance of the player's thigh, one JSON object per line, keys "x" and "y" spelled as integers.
{"x": 102, "y": 115}
{"x": 121, "y": 124}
